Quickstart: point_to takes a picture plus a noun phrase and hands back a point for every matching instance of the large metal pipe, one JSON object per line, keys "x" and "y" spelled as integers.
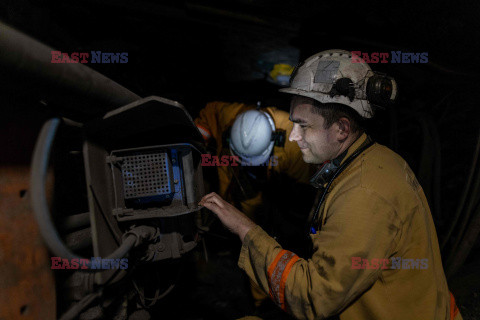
{"x": 30, "y": 59}
{"x": 76, "y": 221}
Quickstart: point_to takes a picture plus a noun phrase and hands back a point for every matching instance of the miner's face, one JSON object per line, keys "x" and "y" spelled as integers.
{"x": 316, "y": 143}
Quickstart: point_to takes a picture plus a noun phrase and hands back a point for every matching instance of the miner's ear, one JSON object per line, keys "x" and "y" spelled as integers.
{"x": 344, "y": 128}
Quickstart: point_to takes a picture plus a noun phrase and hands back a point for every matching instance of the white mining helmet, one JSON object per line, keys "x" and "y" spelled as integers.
{"x": 251, "y": 137}
{"x": 333, "y": 77}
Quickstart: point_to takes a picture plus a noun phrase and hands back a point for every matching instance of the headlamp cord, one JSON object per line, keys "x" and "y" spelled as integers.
{"x": 335, "y": 175}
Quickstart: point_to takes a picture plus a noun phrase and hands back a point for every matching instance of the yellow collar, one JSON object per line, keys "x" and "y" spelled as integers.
{"x": 354, "y": 147}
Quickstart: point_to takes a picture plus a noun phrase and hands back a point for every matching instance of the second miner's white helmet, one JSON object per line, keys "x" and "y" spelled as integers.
{"x": 251, "y": 137}
{"x": 332, "y": 76}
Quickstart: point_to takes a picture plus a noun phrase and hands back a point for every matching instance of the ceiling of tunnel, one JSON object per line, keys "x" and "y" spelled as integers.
{"x": 180, "y": 49}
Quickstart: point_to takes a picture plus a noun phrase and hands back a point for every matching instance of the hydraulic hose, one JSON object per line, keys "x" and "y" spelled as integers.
{"x": 473, "y": 201}
{"x": 41, "y": 211}
{"x": 463, "y": 198}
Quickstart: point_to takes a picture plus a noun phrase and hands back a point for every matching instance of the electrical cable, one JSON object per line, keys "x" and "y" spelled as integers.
{"x": 39, "y": 203}
{"x": 81, "y": 305}
{"x": 470, "y": 206}
{"x": 464, "y": 195}
{"x": 466, "y": 246}
{"x": 77, "y": 308}
{"x": 157, "y": 296}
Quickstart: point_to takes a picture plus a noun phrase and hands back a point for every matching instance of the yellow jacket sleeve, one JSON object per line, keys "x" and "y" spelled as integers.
{"x": 365, "y": 226}
{"x": 207, "y": 121}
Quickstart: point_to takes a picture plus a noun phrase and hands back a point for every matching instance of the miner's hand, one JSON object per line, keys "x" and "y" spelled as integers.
{"x": 231, "y": 217}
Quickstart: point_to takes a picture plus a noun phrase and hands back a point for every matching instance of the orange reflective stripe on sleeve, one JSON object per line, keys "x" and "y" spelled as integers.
{"x": 277, "y": 275}
{"x": 453, "y": 307}
{"x": 284, "y": 281}
{"x": 205, "y": 133}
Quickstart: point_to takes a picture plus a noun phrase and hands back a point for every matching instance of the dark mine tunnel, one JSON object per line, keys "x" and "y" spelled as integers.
{"x": 246, "y": 159}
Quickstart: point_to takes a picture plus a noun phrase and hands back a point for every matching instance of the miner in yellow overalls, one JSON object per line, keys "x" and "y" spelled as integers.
{"x": 372, "y": 210}
{"x": 267, "y": 161}
{"x": 259, "y": 139}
